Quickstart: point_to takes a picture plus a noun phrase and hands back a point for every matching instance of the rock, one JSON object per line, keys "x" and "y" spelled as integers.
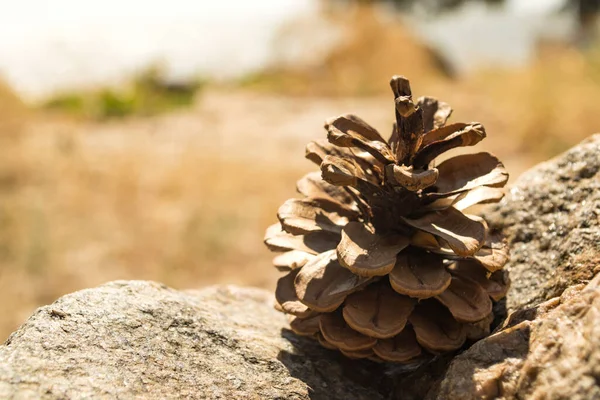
{"x": 144, "y": 340}
{"x": 552, "y": 220}
{"x": 550, "y": 351}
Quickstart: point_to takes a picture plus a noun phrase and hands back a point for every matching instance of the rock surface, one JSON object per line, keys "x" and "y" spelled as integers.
{"x": 144, "y": 340}
{"x": 550, "y": 351}
{"x": 552, "y": 219}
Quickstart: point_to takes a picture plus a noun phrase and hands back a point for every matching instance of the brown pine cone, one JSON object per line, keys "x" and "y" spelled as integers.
{"x": 382, "y": 259}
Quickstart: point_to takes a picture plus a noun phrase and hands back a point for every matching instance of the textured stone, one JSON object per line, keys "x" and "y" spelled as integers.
{"x": 552, "y": 220}
{"x": 550, "y": 351}
{"x": 144, "y": 340}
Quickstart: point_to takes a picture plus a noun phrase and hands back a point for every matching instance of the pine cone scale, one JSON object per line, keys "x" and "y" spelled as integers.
{"x": 401, "y": 348}
{"x": 464, "y": 235}
{"x": 317, "y": 242}
{"x": 366, "y": 253}
{"x": 442, "y": 132}
{"x": 420, "y": 276}
{"x": 377, "y": 311}
{"x": 469, "y": 136}
{"x": 435, "y": 113}
{"x": 338, "y": 333}
{"x": 466, "y": 172}
{"x": 307, "y": 326}
{"x": 466, "y": 300}
{"x": 312, "y": 185}
{"x": 286, "y": 297}
{"x": 314, "y": 214}
{"x": 323, "y": 284}
{"x": 441, "y": 334}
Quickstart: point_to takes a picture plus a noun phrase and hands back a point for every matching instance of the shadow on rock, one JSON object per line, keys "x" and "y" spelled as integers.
{"x": 328, "y": 372}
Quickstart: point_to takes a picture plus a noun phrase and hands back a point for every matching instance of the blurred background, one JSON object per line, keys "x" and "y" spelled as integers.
{"x": 156, "y": 139}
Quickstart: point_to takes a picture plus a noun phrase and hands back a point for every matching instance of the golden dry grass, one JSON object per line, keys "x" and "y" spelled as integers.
{"x": 184, "y": 198}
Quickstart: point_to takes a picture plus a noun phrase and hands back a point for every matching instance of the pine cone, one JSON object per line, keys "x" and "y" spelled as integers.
{"x": 383, "y": 261}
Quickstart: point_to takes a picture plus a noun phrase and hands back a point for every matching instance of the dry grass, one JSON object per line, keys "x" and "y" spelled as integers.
{"x": 184, "y": 198}
{"x": 84, "y": 204}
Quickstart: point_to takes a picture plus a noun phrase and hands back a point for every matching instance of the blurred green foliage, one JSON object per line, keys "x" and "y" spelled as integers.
{"x": 148, "y": 94}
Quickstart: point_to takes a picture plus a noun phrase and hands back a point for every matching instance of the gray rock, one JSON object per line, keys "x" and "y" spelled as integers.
{"x": 552, "y": 219}
{"x": 549, "y": 352}
{"x": 144, "y": 340}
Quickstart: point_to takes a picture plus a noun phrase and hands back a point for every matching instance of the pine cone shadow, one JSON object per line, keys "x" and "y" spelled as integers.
{"x": 328, "y": 373}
